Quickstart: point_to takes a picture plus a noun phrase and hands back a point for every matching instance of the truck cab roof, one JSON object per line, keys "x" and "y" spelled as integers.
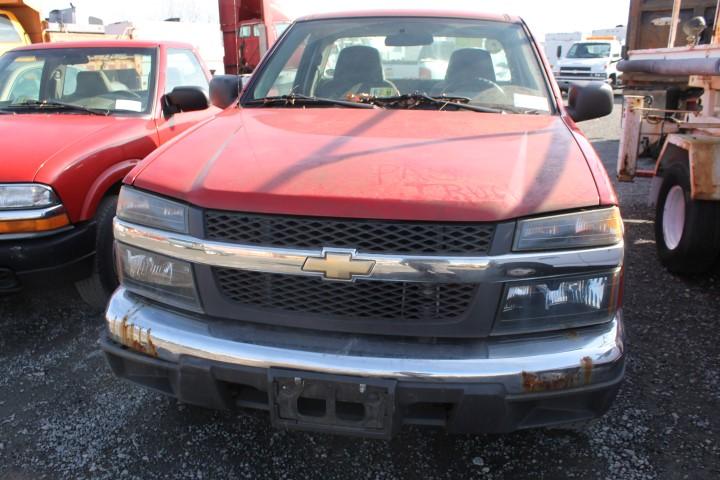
{"x": 464, "y": 14}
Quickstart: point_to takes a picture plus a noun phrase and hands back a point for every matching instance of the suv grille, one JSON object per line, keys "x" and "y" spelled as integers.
{"x": 359, "y": 300}
{"x": 362, "y": 235}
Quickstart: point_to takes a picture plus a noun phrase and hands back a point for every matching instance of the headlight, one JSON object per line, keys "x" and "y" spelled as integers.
{"x": 142, "y": 208}
{"x": 157, "y": 277}
{"x": 26, "y": 196}
{"x": 558, "y": 304}
{"x": 594, "y": 228}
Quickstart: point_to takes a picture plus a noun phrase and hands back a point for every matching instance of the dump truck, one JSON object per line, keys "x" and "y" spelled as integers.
{"x": 671, "y": 125}
{"x": 250, "y": 28}
{"x": 21, "y": 24}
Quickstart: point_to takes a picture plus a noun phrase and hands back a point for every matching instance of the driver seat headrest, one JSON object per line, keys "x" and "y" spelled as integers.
{"x": 469, "y": 64}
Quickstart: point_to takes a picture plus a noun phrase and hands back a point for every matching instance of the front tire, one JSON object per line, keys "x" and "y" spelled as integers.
{"x": 96, "y": 289}
{"x": 687, "y": 231}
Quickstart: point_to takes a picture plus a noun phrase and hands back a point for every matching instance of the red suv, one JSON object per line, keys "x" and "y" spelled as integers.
{"x": 353, "y": 248}
{"x": 75, "y": 119}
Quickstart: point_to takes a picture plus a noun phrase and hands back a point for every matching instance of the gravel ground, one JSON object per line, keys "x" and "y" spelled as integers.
{"x": 63, "y": 415}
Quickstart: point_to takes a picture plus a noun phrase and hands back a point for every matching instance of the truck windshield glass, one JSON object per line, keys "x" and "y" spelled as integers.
{"x": 107, "y": 79}
{"x": 481, "y": 63}
{"x": 8, "y": 34}
{"x": 589, "y": 50}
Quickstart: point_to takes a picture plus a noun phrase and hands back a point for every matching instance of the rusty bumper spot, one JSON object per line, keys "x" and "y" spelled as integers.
{"x": 134, "y": 337}
{"x": 562, "y": 380}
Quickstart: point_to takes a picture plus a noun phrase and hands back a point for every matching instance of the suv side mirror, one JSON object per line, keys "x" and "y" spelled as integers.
{"x": 184, "y": 99}
{"x": 591, "y": 101}
{"x": 225, "y": 89}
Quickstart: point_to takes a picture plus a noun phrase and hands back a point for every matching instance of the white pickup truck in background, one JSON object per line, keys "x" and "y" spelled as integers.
{"x": 592, "y": 60}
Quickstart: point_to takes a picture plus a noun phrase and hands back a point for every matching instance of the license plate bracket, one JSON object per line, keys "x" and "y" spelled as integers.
{"x": 331, "y": 403}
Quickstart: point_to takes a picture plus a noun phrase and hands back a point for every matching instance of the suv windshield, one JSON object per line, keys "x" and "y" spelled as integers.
{"x": 108, "y": 79}
{"x": 589, "y": 50}
{"x": 483, "y": 63}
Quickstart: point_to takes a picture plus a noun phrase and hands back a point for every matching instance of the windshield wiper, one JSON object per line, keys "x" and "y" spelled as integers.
{"x": 295, "y": 99}
{"x": 411, "y": 100}
{"x": 56, "y": 106}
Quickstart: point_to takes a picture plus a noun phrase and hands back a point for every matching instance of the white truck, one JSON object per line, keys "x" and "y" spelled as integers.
{"x": 557, "y": 44}
{"x": 591, "y": 60}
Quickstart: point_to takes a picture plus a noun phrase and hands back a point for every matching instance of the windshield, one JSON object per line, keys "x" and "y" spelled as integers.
{"x": 8, "y": 34}
{"x": 109, "y": 79}
{"x": 487, "y": 63}
{"x": 589, "y": 50}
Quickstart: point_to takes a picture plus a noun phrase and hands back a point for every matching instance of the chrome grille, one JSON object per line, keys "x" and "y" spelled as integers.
{"x": 389, "y": 301}
{"x": 363, "y": 235}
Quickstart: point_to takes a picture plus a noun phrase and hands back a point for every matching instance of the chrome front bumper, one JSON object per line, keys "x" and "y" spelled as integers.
{"x": 543, "y": 362}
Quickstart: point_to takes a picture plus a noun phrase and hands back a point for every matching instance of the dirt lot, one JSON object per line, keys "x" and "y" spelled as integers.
{"x": 63, "y": 415}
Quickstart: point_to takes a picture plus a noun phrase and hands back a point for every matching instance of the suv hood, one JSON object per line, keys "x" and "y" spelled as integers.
{"x": 384, "y": 164}
{"x": 29, "y": 141}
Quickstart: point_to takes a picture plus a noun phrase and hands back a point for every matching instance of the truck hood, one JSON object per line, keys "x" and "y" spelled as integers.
{"x": 30, "y": 141}
{"x": 595, "y": 63}
{"x": 383, "y": 164}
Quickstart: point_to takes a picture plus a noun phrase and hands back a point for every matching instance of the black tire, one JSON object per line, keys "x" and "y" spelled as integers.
{"x": 96, "y": 289}
{"x": 699, "y": 245}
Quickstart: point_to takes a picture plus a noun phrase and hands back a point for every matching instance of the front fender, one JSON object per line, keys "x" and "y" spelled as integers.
{"x": 703, "y": 154}
{"x": 100, "y": 187}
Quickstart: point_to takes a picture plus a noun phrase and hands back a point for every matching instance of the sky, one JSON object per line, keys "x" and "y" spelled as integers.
{"x": 543, "y": 16}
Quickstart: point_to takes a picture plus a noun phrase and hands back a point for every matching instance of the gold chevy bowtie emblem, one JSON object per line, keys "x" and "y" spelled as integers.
{"x": 338, "y": 266}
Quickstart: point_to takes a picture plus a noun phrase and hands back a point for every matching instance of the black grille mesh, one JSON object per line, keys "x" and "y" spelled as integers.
{"x": 360, "y": 300}
{"x": 362, "y": 235}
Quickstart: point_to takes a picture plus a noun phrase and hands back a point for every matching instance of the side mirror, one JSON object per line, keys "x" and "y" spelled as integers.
{"x": 559, "y": 51}
{"x": 593, "y": 100}
{"x": 184, "y": 99}
{"x": 225, "y": 89}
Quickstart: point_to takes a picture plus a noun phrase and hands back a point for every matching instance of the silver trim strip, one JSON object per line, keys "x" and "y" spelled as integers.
{"x": 35, "y": 214}
{"x": 592, "y": 355}
{"x": 429, "y": 269}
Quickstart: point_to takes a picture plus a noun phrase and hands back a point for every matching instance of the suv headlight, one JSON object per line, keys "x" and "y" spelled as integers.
{"x": 592, "y": 228}
{"x": 158, "y": 277}
{"x": 24, "y": 196}
{"x": 151, "y": 274}
{"x": 558, "y": 303}
{"x": 142, "y": 208}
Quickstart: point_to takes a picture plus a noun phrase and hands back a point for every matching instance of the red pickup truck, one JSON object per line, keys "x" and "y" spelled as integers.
{"x": 75, "y": 119}
{"x": 353, "y": 251}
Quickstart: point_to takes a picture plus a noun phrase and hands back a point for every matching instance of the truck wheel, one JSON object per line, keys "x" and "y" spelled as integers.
{"x": 687, "y": 232}
{"x": 96, "y": 289}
